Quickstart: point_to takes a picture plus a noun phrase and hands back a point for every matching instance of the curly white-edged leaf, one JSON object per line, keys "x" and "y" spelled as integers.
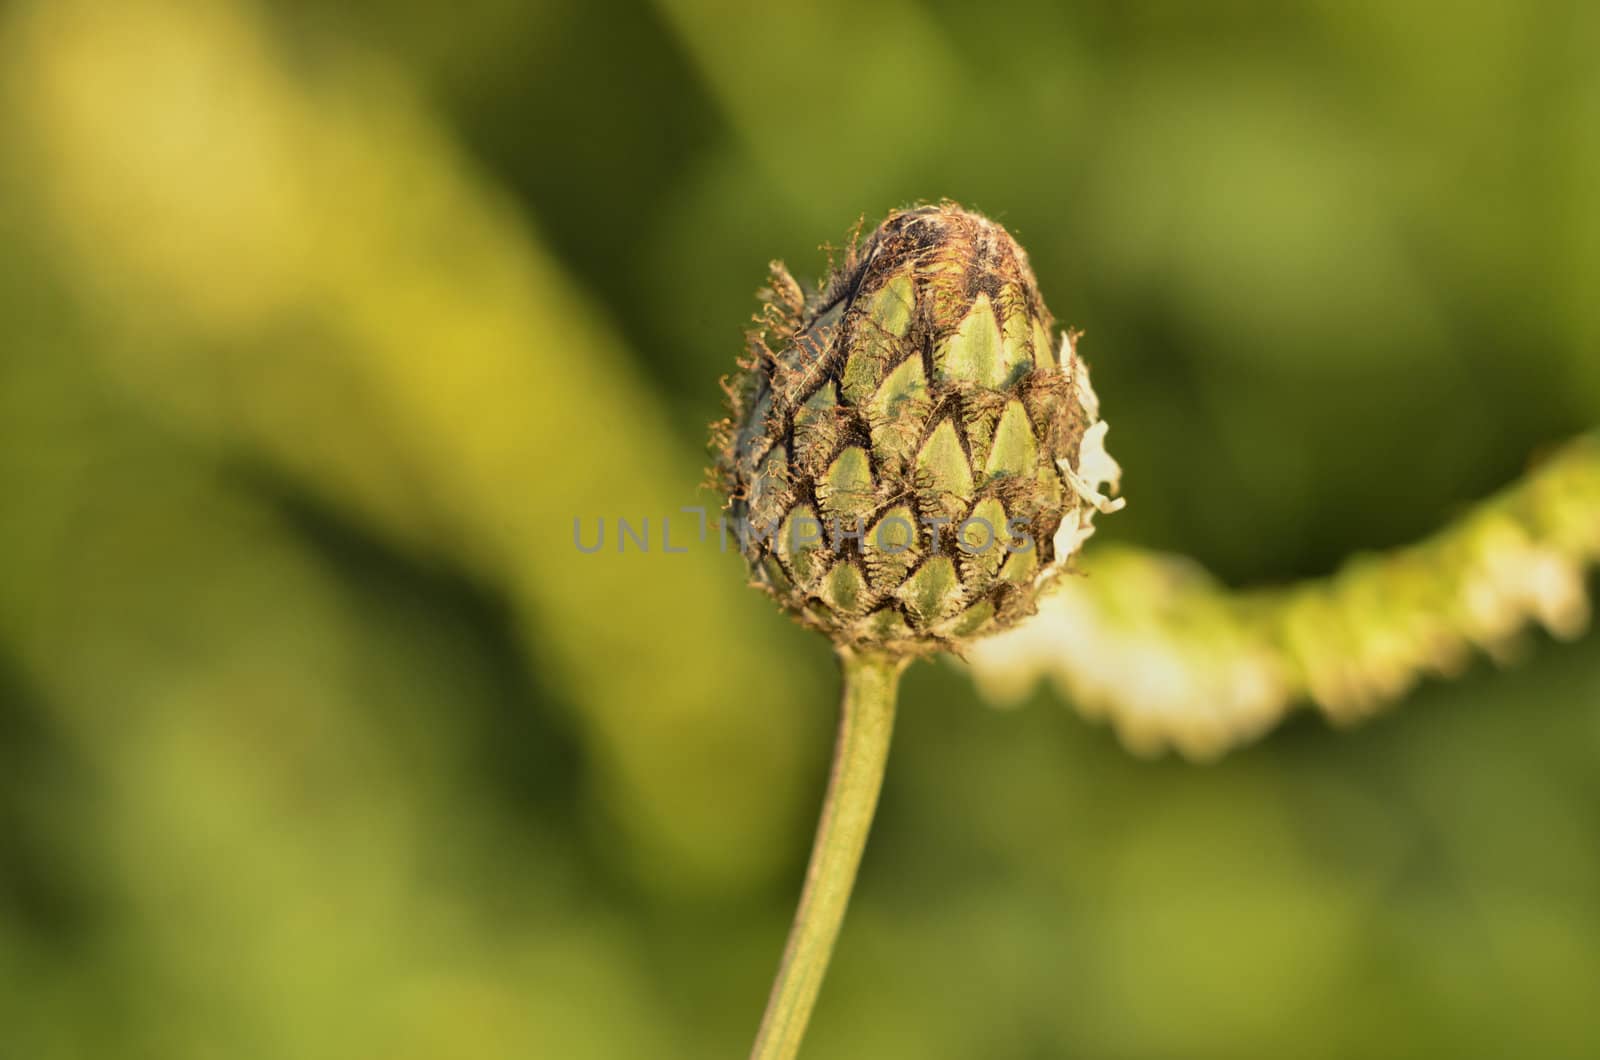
{"x": 1172, "y": 659}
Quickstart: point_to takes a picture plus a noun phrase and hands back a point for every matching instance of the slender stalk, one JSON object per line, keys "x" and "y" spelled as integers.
{"x": 866, "y": 721}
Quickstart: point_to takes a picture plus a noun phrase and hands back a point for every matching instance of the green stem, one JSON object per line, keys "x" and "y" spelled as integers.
{"x": 866, "y": 721}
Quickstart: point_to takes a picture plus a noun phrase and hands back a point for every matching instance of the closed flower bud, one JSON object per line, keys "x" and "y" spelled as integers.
{"x": 912, "y": 453}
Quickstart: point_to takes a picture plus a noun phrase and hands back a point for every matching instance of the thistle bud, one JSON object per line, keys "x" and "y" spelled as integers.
{"x": 912, "y": 453}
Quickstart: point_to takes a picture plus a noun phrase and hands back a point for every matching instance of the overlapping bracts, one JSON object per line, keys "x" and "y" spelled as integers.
{"x": 911, "y": 452}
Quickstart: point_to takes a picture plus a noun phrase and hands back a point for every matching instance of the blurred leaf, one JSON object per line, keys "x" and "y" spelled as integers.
{"x": 1152, "y": 643}
{"x": 311, "y": 271}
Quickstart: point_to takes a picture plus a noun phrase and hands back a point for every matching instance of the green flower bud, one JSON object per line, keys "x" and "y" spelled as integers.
{"x": 912, "y": 454}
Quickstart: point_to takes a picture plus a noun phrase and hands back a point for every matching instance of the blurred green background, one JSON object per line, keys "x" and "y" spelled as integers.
{"x": 319, "y": 324}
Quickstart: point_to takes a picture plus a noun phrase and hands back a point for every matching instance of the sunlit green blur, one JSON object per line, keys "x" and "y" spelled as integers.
{"x": 320, "y": 324}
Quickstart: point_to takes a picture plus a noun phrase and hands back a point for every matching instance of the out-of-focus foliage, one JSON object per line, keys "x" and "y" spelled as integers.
{"x": 321, "y": 324}
{"x": 1175, "y": 660}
